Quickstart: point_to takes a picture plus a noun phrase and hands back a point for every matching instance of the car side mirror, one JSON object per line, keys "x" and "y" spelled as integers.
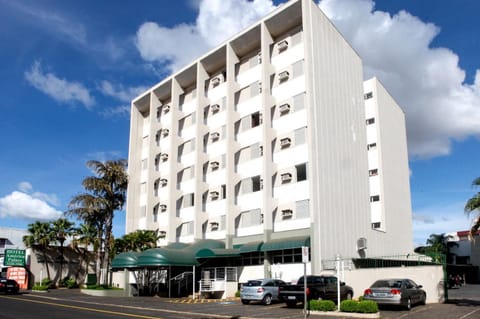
{"x": 419, "y": 286}
{"x": 342, "y": 283}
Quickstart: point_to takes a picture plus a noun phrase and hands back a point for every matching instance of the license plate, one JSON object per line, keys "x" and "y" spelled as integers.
{"x": 9, "y": 286}
{"x": 380, "y": 294}
{"x": 291, "y": 298}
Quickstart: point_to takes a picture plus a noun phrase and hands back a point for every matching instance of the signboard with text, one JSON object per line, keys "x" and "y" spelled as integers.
{"x": 14, "y": 257}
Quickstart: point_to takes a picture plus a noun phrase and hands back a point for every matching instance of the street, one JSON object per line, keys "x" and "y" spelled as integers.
{"x": 60, "y": 304}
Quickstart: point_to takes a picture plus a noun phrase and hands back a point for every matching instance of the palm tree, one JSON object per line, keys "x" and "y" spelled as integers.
{"x": 40, "y": 236}
{"x": 106, "y": 193}
{"x": 473, "y": 204}
{"x": 138, "y": 240}
{"x": 62, "y": 228}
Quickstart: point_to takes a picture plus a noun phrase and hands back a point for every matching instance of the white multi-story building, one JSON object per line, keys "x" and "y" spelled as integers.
{"x": 273, "y": 138}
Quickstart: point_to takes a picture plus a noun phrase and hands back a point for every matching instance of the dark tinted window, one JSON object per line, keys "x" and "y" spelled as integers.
{"x": 253, "y": 283}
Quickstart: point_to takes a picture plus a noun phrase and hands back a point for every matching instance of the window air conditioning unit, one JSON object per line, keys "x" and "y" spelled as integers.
{"x": 287, "y": 213}
{"x": 285, "y": 142}
{"x": 215, "y": 136}
{"x": 214, "y": 195}
{"x": 259, "y": 57}
{"x": 164, "y": 156}
{"x": 361, "y": 243}
{"x": 287, "y": 177}
{"x": 165, "y": 131}
{"x": 215, "y": 108}
{"x": 216, "y": 81}
{"x": 282, "y": 46}
{"x": 214, "y": 165}
{"x": 166, "y": 108}
{"x": 163, "y": 181}
{"x": 162, "y": 234}
{"x": 284, "y": 108}
{"x": 214, "y": 226}
{"x": 163, "y": 207}
{"x": 283, "y": 76}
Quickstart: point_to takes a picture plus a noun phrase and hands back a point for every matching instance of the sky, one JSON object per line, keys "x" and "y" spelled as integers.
{"x": 70, "y": 69}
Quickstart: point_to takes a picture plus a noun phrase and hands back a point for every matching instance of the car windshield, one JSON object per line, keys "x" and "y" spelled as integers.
{"x": 387, "y": 284}
{"x": 253, "y": 283}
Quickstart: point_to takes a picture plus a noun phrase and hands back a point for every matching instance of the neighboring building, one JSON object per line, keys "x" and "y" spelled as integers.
{"x": 272, "y": 138}
{"x": 10, "y": 238}
{"x": 464, "y": 255}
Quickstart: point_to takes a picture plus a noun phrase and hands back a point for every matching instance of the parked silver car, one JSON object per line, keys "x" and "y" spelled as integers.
{"x": 403, "y": 292}
{"x": 261, "y": 290}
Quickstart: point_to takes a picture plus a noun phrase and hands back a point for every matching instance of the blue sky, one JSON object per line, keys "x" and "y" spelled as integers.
{"x": 70, "y": 68}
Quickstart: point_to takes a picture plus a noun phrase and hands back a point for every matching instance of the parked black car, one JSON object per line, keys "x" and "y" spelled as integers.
{"x": 9, "y": 286}
{"x": 318, "y": 287}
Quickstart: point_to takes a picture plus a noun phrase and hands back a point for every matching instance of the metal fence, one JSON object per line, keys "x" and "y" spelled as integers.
{"x": 387, "y": 261}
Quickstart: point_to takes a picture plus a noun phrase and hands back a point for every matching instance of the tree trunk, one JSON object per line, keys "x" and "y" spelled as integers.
{"x": 46, "y": 262}
{"x": 108, "y": 236}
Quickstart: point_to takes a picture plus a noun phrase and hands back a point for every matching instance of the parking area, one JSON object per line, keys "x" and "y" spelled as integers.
{"x": 463, "y": 304}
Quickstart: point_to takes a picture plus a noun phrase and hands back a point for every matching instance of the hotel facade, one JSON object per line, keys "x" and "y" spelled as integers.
{"x": 270, "y": 142}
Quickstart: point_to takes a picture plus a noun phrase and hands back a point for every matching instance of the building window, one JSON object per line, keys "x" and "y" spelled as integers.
{"x": 374, "y": 198}
{"x": 2, "y": 242}
{"x": 155, "y": 214}
{"x": 373, "y": 172}
{"x": 301, "y": 172}
{"x": 368, "y": 95}
{"x": 370, "y": 121}
{"x": 251, "y": 218}
{"x": 376, "y": 225}
{"x": 302, "y": 209}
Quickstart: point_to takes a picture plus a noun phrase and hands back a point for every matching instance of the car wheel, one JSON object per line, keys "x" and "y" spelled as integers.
{"x": 291, "y": 304}
{"x": 349, "y": 295}
{"x": 424, "y": 299}
{"x": 409, "y": 304}
{"x": 245, "y": 302}
{"x": 267, "y": 300}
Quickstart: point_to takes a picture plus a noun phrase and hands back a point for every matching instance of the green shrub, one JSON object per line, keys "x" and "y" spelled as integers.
{"x": 47, "y": 283}
{"x": 361, "y": 298}
{"x": 367, "y": 306}
{"x": 102, "y": 287}
{"x": 322, "y": 305}
{"x": 237, "y": 294}
{"x": 70, "y": 283}
{"x": 349, "y": 306}
{"x": 39, "y": 287}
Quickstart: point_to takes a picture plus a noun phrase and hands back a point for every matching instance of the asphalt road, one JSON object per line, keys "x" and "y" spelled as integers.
{"x": 71, "y": 304}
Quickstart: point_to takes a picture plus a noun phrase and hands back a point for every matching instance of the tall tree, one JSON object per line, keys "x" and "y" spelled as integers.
{"x": 105, "y": 193}
{"x": 40, "y": 236}
{"x": 62, "y": 228}
{"x": 138, "y": 240}
{"x": 473, "y": 205}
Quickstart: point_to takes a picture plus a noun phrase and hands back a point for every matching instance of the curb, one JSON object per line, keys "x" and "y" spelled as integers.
{"x": 346, "y": 314}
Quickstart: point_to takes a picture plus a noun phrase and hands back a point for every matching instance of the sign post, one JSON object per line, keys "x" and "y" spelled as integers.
{"x": 14, "y": 257}
{"x": 305, "y": 261}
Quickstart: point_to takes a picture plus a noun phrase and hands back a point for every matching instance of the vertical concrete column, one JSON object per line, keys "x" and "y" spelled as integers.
{"x": 267, "y": 159}
{"x": 231, "y": 180}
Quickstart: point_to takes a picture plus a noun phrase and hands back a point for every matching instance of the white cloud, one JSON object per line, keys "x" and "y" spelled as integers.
{"x": 60, "y": 90}
{"x": 426, "y": 81}
{"x": 438, "y": 219}
{"x": 21, "y": 205}
{"x": 119, "y": 92}
{"x": 122, "y": 111}
{"x": 217, "y": 20}
{"x": 25, "y": 187}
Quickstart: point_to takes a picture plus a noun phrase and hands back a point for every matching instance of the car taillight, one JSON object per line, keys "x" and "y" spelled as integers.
{"x": 2, "y": 284}
{"x": 260, "y": 290}
{"x": 308, "y": 291}
{"x": 367, "y": 292}
{"x": 395, "y": 292}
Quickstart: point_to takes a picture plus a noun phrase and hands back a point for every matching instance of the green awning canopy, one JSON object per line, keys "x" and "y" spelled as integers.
{"x": 286, "y": 243}
{"x": 251, "y": 247}
{"x": 166, "y": 257}
{"x": 125, "y": 260}
{"x": 217, "y": 253}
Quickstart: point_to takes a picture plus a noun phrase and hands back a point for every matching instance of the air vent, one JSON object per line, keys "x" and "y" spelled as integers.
{"x": 287, "y": 177}
{"x": 164, "y": 157}
{"x": 214, "y": 195}
{"x": 287, "y": 213}
{"x": 165, "y": 131}
{"x": 163, "y": 207}
{"x": 163, "y": 181}
{"x": 285, "y": 142}
{"x": 166, "y": 108}
{"x": 283, "y": 76}
{"x": 214, "y": 225}
{"x": 282, "y": 46}
{"x": 216, "y": 81}
{"x": 214, "y": 165}
{"x": 162, "y": 234}
{"x": 284, "y": 108}
{"x": 215, "y": 136}
{"x": 215, "y": 108}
